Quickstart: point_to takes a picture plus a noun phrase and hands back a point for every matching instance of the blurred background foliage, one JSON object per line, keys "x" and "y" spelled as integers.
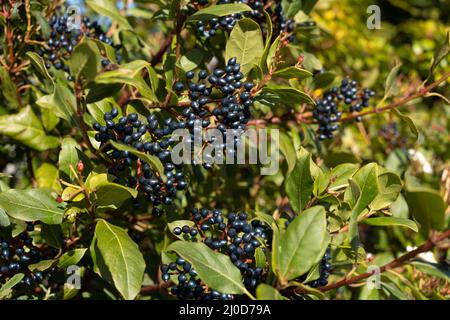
{"x": 339, "y": 44}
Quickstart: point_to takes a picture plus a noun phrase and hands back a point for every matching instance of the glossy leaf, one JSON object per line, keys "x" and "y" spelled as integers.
{"x": 32, "y": 205}
{"x": 289, "y": 95}
{"x": 219, "y": 11}
{"x": 26, "y": 128}
{"x": 117, "y": 259}
{"x": 391, "y": 221}
{"x": 299, "y": 184}
{"x": 109, "y": 8}
{"x": 293, "y": 73}
{"x": 301, "y": 247}
{"x": 215, "y": 269}
{"x": 71, "y": 258}
{"x": 246, "y": 44}
{"x": 266, "y": 292}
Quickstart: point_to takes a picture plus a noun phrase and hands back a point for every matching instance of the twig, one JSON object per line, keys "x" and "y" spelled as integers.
{"x": 156, "y": 287}
{"x": 422, "y": 92}
{"x": 427, "y": 246}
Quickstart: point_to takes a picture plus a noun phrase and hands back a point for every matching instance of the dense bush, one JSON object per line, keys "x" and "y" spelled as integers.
{"x": 93, "y": 203}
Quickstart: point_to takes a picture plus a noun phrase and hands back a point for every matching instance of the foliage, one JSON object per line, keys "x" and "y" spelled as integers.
{"x": 91, "y": 105}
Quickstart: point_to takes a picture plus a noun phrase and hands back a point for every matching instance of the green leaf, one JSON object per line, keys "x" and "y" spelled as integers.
{"x": 108, "y": 50}
{"x": 433, "y": 269}
{"x": 72, "y": 194}
{"x": 299, "y": 183}
{"x": 288, "y": 150}
{"x": 26, "y": 128}
{"x": 47, "y": 176}
{"x": 323, "y": 79}
{"x": 5, "y": 290}
{"x": 191, "y": 60}
{"x": 408, "y": 121}
{"x": 270, "y": 51}
{"x": 32, "y": 205}
{"x": 301, "y": 247}
{"x": 43, "y": 265}
{"x": 153, "y": 161}
{"x": 399, "y": 208}
{"x": 440, "y": 53}
{"x": 308, "y": 5}
{"x": 113, "y": 195}
{"x": 99, "y": 108}
{"x": 390, "y": 186}
{"x": 266, "y": 292}
{"x": 293, "y": 73}
{"x": 321, "y": 183}
{"x": 391, "y": 221}
{"x": 99, "y": 92}
{"x": 389, "y": 87}
{"x": 246, "y": 44}
{"x": 85, "y": 60}
{"x": 17, "y": 226}
{"x": 4, "y": 220}
{"x": 38, "y": 63}
{"x": 340, "y": 175}
{"x": 427, "y": 207}
{"x": 289, "y": 95}
{"x": 129, "y": 74}
{"x": 260, "y": 258}
{"x": 394, "y": 291}
{"x": 8, "y": 88}
{"x": 42, "y": 21}
{"x": 267, "y": 45}
{"x": 62, "y": 102}
{"x": 71, "y": 258}
{"x": 49, "y": 119}
{"x": 219, "y": 11}
{"x": 215, "y": 269}
{"x": 366, "y": 182}
{"x": 109, "y": 8}
{"x": 70, "y": 155}
{"x": 52, "y": 235}
{"x": 117, "y": 259}
{"x": 266, "y": 218}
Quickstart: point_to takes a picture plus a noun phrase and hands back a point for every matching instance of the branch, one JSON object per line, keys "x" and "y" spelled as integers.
{"x": 156, "y": 287}
{"x": 427, "y": 246}
{"x": 422, "y": 92}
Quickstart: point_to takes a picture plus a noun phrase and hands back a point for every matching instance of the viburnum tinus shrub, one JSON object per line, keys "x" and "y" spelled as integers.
{"x": 99, "y": 200}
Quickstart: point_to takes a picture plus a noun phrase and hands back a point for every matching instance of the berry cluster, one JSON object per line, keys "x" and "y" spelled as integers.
{"x": 234, "y": 236}
{"x": 189, "y": 285}
{"x": 280, "y": 22}
{"x": 64, "y": 38}
{"x": 391, "y": 134}
{"x": 17, "y": 254}
{"x": 224, "y": 88}
{"x": 151, "y": 138}
{"x": 328, "y": 111}
{"x": 324, "y": 269}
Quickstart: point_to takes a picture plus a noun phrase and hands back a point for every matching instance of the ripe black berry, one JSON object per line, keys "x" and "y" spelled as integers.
{"x": 63, "y": 39}
{"x": 17, "y": 254}
{"x": 329, "y": 108}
